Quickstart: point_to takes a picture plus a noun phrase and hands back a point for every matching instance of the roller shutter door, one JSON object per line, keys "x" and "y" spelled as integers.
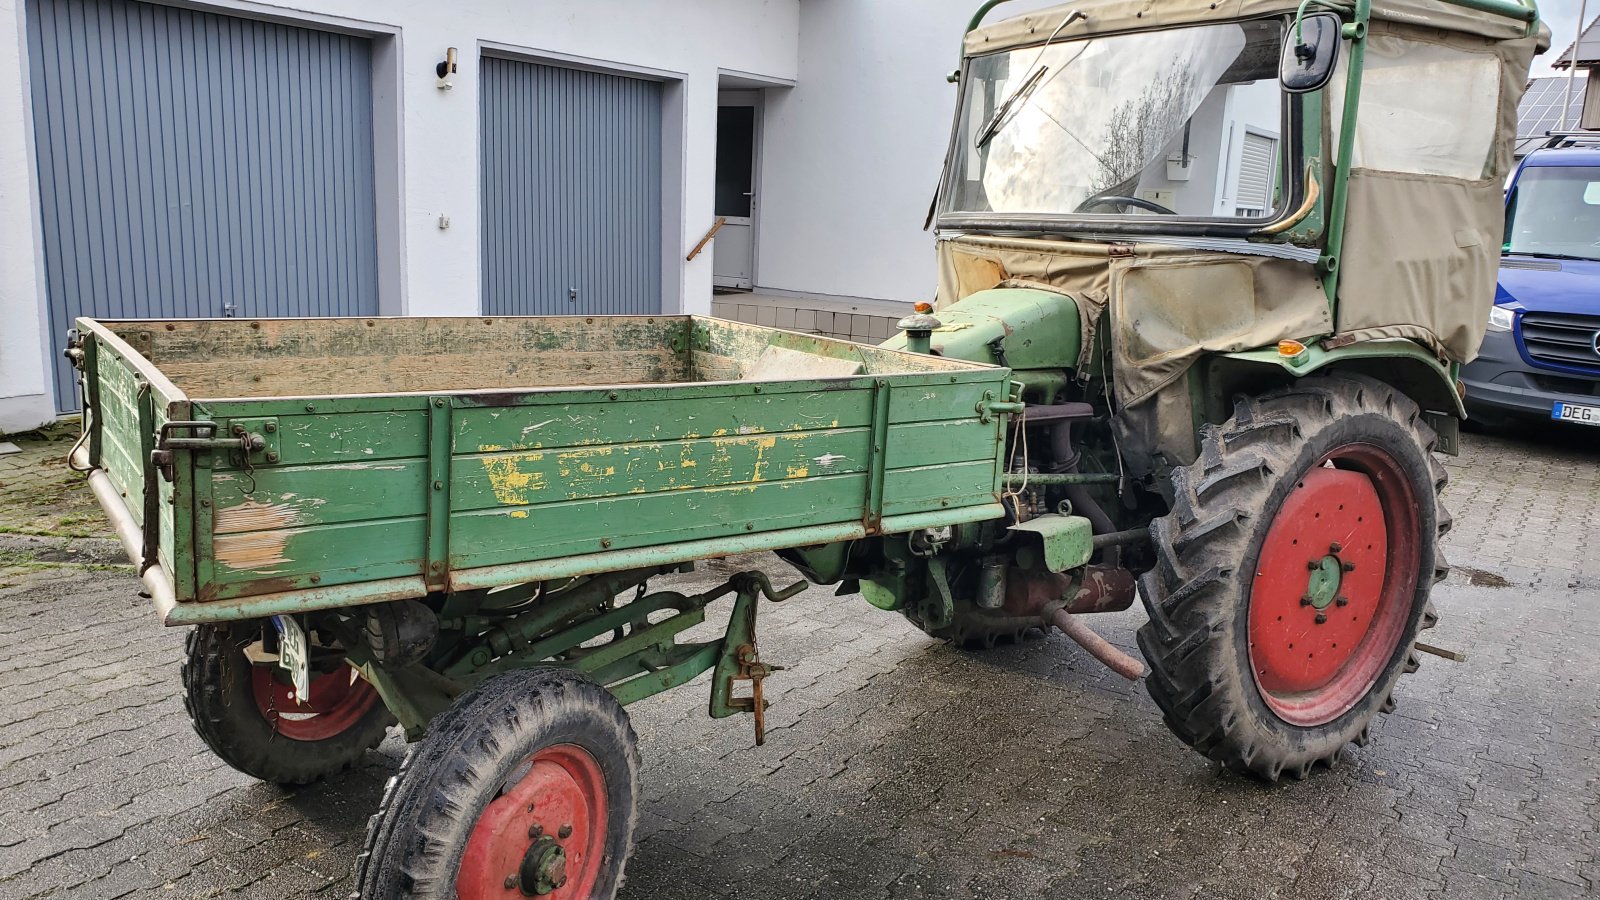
{"x": 198, "y": 165}
{"x": 1255, "y": 174}
{"x": 571, "y": 187}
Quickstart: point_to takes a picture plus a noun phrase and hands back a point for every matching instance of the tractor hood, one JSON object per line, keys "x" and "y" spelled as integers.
{"x": 1549, "y": 285}
{"x": 1021, "y": 328}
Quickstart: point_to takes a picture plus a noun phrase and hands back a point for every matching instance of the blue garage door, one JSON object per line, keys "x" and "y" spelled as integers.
{"x": 196, "y": 165}
{"x": 571, "y": 166}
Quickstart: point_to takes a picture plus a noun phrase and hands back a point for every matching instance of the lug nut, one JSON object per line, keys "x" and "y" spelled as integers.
{"x": 535, "y": 831}
{"x": 1305, "y": 599}
{"x": 1322, "y": 618}
{"x": 1313, "y": 564}
{"x": 1342, "y": 601}
{"x": 1349, "y": 567}
{"x": 511, "y": 881}
{"x": 1335, "y": 547}
{"x": 565, "y": 832}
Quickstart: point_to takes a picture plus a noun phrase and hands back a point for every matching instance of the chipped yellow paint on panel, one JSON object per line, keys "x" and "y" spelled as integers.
{"x": 510, "y": 484}
{"x": 797, "y": 472}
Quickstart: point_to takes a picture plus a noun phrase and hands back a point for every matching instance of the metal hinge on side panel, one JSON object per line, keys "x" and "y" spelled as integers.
{"x": 1119, "y": 251}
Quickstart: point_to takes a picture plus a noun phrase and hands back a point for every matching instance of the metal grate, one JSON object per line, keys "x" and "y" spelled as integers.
{"x": 1562, "y": 339}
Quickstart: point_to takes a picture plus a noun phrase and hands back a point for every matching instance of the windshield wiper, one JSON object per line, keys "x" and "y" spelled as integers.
{"x": 1003, "y": 111}
{"x": 1537, "y": 254}
{"x": 995, "y": 121}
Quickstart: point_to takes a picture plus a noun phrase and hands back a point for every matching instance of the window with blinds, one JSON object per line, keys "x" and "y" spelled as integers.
{"x": 1256, "y": 170}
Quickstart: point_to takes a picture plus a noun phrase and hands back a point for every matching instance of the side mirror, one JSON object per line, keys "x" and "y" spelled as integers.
{"x": 1310, "y": 53}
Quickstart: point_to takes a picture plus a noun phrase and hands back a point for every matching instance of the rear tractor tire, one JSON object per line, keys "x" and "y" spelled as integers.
{"x": 248, "y": 715}
{"x": 1293, "y": 574}
{"x": 527, "y": 786}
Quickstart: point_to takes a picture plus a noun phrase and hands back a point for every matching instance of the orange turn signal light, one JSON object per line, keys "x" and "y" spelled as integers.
{"x": 1290, "y": 348}
{"x": 922, "y": 307}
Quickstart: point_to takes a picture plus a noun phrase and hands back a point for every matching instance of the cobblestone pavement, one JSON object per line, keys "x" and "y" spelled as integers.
{"x": 896, "y": 767}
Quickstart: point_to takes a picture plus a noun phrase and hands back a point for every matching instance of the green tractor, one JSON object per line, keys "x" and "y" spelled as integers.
{"x": 1234, "y": 254}
{"x": 1208, "y": 271}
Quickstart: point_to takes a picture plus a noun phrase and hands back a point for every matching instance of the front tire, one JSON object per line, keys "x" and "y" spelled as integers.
{"x": 528, "y": 785}
{"x": 1293, "y": 574}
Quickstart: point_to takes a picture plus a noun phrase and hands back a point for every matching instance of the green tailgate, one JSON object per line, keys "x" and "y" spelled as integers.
{"x": 696, "y": 451}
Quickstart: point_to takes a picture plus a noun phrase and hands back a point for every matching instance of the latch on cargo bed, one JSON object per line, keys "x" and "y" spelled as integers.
{"x": 203, "y": 436}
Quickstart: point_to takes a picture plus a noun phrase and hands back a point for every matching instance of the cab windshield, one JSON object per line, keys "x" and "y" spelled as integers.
{"x": 1555, "y": 212}
{"x": 1185, "y": 123}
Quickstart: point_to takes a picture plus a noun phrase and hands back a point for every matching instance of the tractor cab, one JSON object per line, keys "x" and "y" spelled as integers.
{"x": 1201, "y": 184}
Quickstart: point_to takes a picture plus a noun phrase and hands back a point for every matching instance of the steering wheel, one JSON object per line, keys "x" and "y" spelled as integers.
{"x": 1116, "y": 200}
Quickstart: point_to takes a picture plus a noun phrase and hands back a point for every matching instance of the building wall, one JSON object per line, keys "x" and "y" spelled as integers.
{"x": 432, "y": 141}
{"x": 854, "y": 150}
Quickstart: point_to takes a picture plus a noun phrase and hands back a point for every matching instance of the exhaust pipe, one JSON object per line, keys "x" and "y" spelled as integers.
{"x": 1056, "y": 597}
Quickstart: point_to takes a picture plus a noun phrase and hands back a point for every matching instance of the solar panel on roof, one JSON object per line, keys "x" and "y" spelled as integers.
{"x": 1540, "y": 110}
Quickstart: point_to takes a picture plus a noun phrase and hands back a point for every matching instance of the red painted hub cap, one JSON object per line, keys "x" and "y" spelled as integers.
{"x": 555, "y": 799}
{"x": 1334, "y": 585}
{"x": 338, "y": 701}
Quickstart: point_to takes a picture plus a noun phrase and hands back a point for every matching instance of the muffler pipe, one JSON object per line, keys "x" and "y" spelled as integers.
{"x": 1098, "y": 647}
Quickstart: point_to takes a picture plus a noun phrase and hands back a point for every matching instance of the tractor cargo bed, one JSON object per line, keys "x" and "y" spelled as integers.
{"x": 396, "y": 457}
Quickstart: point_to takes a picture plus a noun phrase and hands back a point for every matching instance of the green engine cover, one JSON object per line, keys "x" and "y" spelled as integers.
{"x": 1021, "y": 328}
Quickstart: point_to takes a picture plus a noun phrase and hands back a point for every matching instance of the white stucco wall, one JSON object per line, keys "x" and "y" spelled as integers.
{"x": 434, "y": 271}
{"x": 853, "y": 152}
{"x": 24, "y": 370}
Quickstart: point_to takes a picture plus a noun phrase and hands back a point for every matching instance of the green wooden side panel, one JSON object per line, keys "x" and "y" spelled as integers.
{"x": 939, "y": 402}
{"x": 937, "y": 487}
{"x": 481, "y": 481}
{"x": 506, "y": 535}
{"x": 273, "y": 498}
{"x": 346, "y": 437}
{"x": 546, "y": 426}
{"x": 932, "y": 443}
{"x": 260, "y": 562}
{"x": 119, "y": 423}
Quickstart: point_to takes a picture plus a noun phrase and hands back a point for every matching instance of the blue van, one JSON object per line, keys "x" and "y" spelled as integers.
{"x": 1541, "y": 355}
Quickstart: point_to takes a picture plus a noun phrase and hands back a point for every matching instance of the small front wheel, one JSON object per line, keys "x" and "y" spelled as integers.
{"x": 249, "y": 716}
{"x": 528, "y": 786}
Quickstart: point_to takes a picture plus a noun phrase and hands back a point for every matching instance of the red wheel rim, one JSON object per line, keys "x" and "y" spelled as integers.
{"x": 1334, "y": 585}
{"x": 556, "y": 798}
{"x": 339, "y": 699}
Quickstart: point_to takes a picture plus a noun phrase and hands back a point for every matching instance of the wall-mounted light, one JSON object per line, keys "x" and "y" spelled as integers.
{"x": 446, "y": 70}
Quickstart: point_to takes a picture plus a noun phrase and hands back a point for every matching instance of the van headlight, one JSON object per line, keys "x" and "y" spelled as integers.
{"x": 1501, "y": 318}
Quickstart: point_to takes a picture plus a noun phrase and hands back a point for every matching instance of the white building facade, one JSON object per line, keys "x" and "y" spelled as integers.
{"x": 248, "y": 159}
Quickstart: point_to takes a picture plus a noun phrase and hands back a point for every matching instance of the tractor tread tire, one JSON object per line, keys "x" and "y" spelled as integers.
{"x": 415, "y": 840}
{"x": 1196, "y": 595}
{"x": 217, "y": 695}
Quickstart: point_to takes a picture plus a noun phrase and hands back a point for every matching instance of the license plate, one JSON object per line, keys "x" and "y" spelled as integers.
{"x": 294, "y": 655}
{"x": 1572, "y": 412}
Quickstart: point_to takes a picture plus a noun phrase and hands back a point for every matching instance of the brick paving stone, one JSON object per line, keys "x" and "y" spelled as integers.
{"x": 895, "y": 767}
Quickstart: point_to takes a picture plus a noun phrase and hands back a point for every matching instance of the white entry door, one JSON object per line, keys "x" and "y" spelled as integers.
{"x": 733, "y": 252}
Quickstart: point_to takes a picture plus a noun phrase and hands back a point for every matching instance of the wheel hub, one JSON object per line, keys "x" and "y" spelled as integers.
{"x": 1332, "y": 585}
{"x": 544, "y": 868}
{"x": 544, "y": 835}
{"x": 339, "y": 699}
{"x": 1323, "y": 585}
